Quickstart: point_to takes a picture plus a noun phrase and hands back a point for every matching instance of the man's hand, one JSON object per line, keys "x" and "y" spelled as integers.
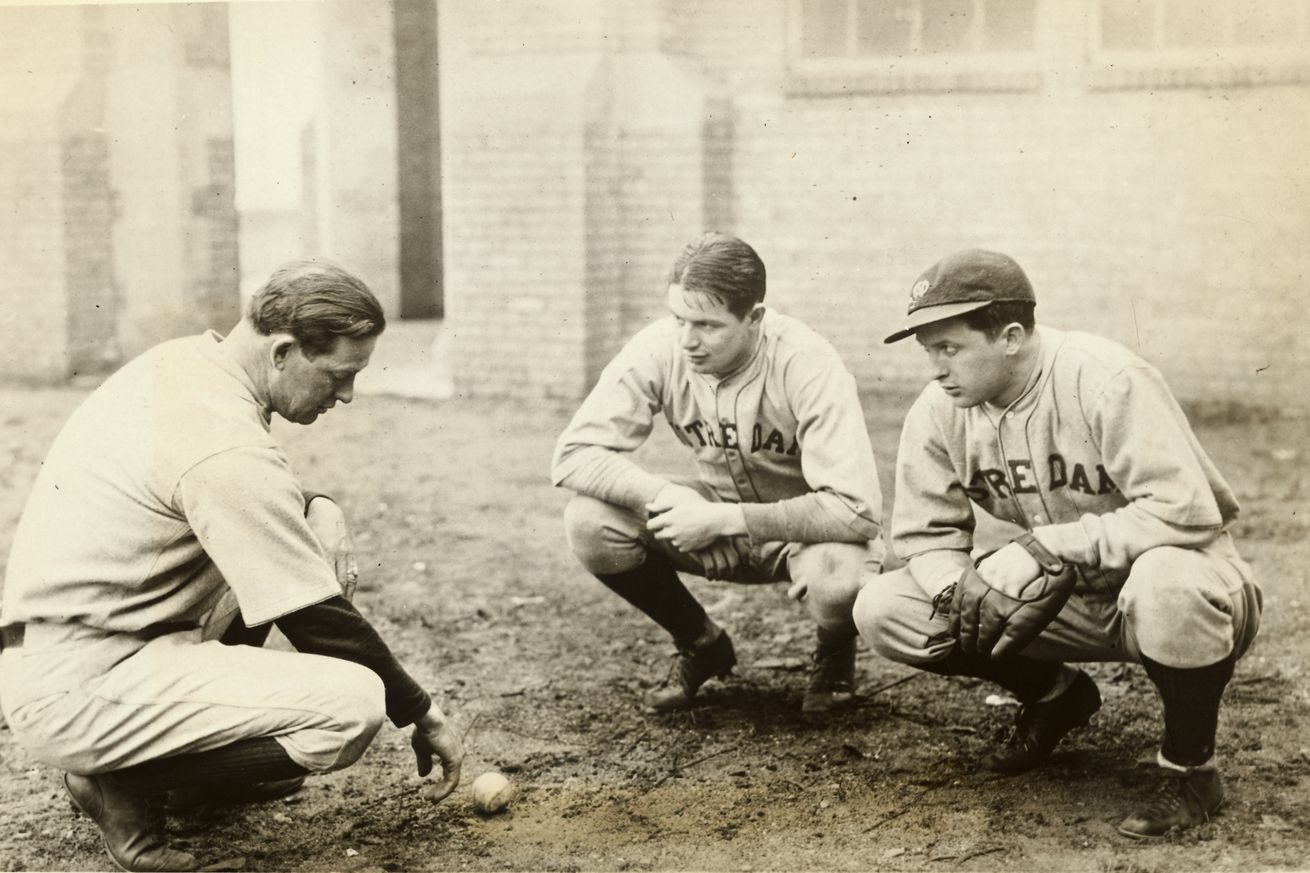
{"x": 1009, "y": 569}
{"x": 328, "y": 523}
{"x": 691, "y": 527}
{"x": 434, "y": 736}
{"x": 722, "y": 559}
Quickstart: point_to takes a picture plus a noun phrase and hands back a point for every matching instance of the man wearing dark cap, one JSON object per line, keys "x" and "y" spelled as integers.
{"x": 1080, "y": 444}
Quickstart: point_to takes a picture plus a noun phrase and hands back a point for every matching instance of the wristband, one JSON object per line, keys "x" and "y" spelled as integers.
{"x": 1049, "y": 563}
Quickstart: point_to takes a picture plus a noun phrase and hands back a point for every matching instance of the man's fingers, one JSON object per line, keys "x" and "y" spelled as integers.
{"x": 449, "y": 779}
{"x": 797, "y": 591}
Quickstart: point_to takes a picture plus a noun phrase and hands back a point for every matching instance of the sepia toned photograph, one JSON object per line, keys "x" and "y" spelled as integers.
{"x": 655, "y": 435}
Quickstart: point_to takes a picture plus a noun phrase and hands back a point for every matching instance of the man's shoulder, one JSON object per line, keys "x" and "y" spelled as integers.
{"x": 1092, "y": 360}
{"x": 791, "y": 339}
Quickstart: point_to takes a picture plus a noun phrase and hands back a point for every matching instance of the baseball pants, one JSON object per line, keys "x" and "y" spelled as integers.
{"x": 1179, "y": 607}
{"x": 88, "y": 701}
{"x": 607, "y": 538}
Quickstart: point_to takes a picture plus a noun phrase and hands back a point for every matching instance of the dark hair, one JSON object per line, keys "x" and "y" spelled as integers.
{"x": 316, "y": 301}
{"x": 993, "y": 317}
{"x": 723, "y": 267}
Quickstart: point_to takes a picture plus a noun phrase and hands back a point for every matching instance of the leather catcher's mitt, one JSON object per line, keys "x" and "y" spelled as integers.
{"x": 989, "y": 622}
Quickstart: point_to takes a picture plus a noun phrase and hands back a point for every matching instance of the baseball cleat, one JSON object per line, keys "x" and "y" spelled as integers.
{"x": 693, "y": 668}
{"x": 832, "y": 677}
{"x": 1039, "y": 726}
{"x": 1182, "y": 799}
{"x": 131, "y": 825}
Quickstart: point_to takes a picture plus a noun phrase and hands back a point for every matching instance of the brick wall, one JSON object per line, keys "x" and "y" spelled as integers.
{"x": 120, "y": 230}
{"x": 1165, "y": 210}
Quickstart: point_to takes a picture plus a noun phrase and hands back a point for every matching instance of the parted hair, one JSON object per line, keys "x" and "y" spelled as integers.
{"x": 993, "y": 318}
{"x": 316, "y": 301}
{"x": 723, "y": 267}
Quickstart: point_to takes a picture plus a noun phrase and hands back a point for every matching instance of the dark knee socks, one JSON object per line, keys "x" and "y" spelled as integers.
{"x": 255, "y": 760}
{"x": 1027, "y": 679}
{"x": 237, "y": 634}
{"x": 655, "y": 589}
{"x": 1191, "y": 708}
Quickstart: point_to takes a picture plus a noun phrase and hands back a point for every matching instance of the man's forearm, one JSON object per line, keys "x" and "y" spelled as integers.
{"x": 336, "y": 629}
{"x": 817, "y": 517}
{"x": 612, "y": 477}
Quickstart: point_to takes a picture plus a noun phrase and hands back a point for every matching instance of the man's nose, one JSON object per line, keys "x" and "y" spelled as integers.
{"x": 689, "y": 337}
{"x": 345, "y": 393}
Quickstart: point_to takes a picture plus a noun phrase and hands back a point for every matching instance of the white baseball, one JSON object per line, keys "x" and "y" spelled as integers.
{"x": 492, "y": 792}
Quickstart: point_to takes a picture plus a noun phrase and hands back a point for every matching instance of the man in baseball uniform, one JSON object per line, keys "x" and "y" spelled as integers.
{"x": 1080, "y": 443}
{"x": 786, "y": 490}
{"x": 166, "y": 527}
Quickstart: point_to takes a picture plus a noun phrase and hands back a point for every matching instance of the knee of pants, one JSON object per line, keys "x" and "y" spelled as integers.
{"x": 1176, "y": 612}
{"x": 833, "y": 574}
{"x": 875, "y": 611}
{"x": 597, "y": 536}
{"x": 359, "y": 711}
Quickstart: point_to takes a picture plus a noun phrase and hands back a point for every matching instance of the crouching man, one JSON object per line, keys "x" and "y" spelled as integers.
{"x": 163, "y": 507}
{"x": 786, "y": 491}
{"x": 1079, "y": 442}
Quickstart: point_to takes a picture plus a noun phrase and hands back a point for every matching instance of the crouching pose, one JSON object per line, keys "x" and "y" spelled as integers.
{"x": 1081, "y": 443}
{"x": 163, "y": 535}
{"x": 787, "y": 488}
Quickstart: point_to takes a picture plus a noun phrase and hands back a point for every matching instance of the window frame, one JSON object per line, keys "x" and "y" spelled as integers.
{"x": 1162, "y": 66}
{"x": 978, "y": 70}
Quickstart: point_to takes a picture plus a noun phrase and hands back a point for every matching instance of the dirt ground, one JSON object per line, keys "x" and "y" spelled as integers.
{"x": 467, "y": 575}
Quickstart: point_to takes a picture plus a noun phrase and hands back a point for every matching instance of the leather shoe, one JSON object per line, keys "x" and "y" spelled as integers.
{"x": 832, "y": 677}
{"x": 694, "y": 667}
{"x": 1182, "y": 799}
{"x": 1039, "y": 726}
{"x": 132, "y": 825}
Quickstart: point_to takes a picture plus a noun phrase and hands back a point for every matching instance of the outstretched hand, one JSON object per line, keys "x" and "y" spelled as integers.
{"x": 435, "y": 737}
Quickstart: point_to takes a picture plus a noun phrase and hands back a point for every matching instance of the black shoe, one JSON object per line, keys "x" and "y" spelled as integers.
{"x": 1182, "y": 799}
{"x": 132, "y": 825}
{"x": 196, "y": 797}
{"x": 1039, "y": 726}
{"x": 832, "y": 677}
{"x": 693, "y": 669}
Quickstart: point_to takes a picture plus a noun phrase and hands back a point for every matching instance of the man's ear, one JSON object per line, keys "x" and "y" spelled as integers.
{"x": 279, "y": 349}
{"x": 1015, "y": 336}
{"x": 756, "y": 313}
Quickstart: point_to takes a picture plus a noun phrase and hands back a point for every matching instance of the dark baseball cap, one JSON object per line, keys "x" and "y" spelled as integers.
{"x": 961, "y": 283}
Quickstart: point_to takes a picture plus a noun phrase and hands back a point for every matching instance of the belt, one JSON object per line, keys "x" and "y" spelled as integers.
{"x": 11, "y": 636}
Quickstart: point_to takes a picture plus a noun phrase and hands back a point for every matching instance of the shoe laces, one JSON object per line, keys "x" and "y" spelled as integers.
{"x": 941, "y": 601}
{"x": 1171, "y": 793}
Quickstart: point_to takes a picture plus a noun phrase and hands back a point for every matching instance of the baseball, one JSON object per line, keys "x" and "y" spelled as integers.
{"x": 491, "y": 792}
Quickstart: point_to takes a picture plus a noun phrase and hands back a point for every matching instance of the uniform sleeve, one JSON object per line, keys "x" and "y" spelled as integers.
{"x": 336, "y": 629}
{"x": 845, "y": 501}
{"x": 930, "y": 511}
{"x": 614, "y": 420}
{"x": 248, "y": 513}
{"x": 1151, "y": 454}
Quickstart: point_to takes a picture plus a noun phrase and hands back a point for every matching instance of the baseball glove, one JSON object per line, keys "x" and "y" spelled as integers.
{"x": 990, "y": 622}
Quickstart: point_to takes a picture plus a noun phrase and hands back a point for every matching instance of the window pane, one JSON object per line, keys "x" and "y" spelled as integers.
{"x": 947, "y": 25}
{"x": 1008, "y": 25}
{"x": 1127, "y": 25}
{"x": 823, "y": 28}
{"x": 1194, "y": 23}
{"x": 883, "y": 27}
{"x": 1269, "y": 22}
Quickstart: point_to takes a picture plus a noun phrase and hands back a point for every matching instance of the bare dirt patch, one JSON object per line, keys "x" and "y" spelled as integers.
{"x": 467, "y": 575}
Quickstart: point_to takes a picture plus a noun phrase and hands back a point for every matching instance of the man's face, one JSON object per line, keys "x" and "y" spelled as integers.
{"x": 305, "y": 387}
{"x": 971, "y": 368}
{"x": 712, "y": 339}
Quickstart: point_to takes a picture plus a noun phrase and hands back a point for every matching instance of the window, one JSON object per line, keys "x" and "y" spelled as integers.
{"x": 909, "y": 28}
{"x": 913, "y": 44}
{"x": 1201, "y": 42}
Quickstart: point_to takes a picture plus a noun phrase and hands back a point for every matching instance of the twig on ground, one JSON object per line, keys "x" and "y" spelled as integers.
{"x": 674, "y": 771}
{"x": 912, "y": 804}
{"x": 900, "y": 681}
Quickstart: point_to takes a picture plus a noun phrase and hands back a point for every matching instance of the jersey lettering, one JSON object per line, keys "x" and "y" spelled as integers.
{"x": 987, "y": 484}
{"x": 725, "y": 435}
